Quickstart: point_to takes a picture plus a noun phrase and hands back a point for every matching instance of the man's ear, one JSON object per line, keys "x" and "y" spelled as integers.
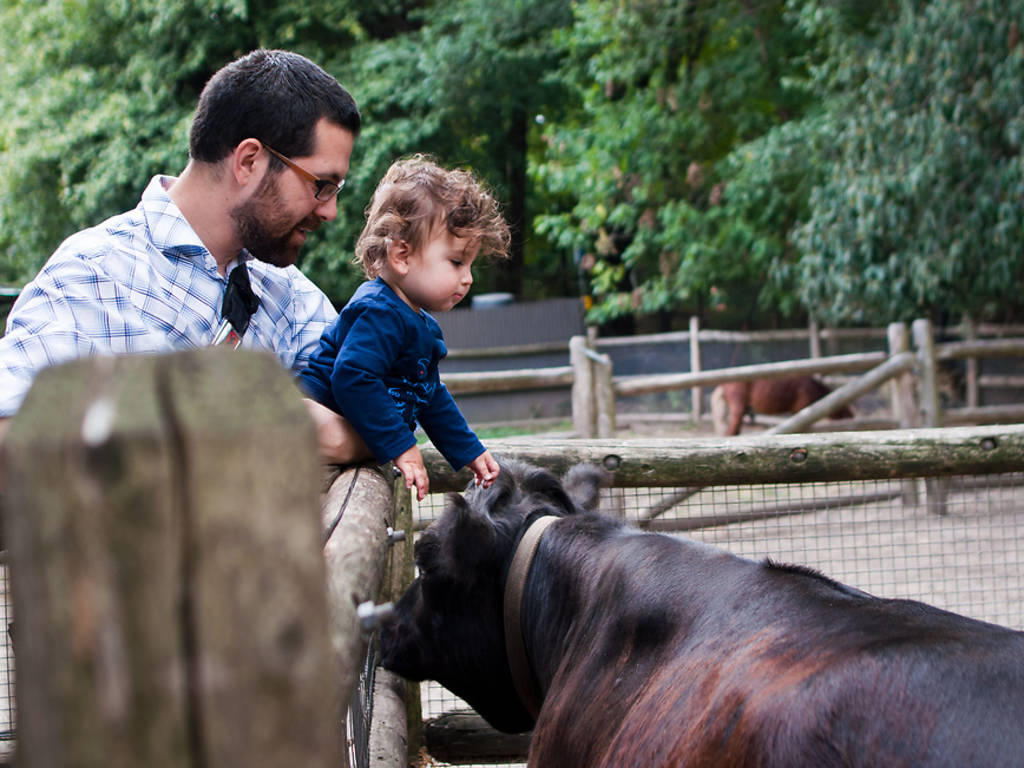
{"x": 246, "y": 164}
{"x": 399, "y": 252}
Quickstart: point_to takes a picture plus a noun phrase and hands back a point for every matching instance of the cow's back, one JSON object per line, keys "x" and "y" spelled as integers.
{"x": 778, "y": 667}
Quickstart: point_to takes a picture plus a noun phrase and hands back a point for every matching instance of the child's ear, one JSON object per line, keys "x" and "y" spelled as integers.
{"x": 398, "y": 255}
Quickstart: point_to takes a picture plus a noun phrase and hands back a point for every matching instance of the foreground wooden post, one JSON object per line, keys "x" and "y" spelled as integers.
{"x": 400, "y": 573}
{"x": 357, "y": 511}
{"x": 162, "y": 520}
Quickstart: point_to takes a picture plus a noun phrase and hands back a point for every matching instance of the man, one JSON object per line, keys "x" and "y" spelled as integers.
{"x": 268, "y": 152}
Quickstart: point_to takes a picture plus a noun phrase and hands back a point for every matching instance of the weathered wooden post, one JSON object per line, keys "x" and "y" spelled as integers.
{"x": 604, "y": 393}
{"x": 971, "y": 335}
{"x": 357, "y": 511}
{"x": 696, "y": 394}
{"x": 593, "y": 393}
{"x": 905, "y": 410}
{"x": 814, "y": 337}
{"x": 584, "y": 412}
{"x": 397, "y": 701}
{"x": 163, "y": 525}
{"x": 936, "y": 488}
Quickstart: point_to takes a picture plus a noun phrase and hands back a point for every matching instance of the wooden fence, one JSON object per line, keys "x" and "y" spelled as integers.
{"x": 184, "y": 592}
{"x": 911, "y": 362}
{"x": 188, "y": 588}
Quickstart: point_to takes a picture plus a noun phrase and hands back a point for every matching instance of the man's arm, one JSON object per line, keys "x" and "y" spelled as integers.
{"x": 337, "y": 439}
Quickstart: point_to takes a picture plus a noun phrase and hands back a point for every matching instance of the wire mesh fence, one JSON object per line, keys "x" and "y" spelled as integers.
{"x": 7, "y": 713}
{"x": 360, "y": 713}
{"x": 969, "y": 560}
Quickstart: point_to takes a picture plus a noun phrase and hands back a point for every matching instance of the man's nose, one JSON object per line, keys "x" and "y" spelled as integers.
{"x": 327, "y": 209}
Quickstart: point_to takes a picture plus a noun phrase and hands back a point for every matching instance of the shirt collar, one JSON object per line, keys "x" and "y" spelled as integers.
{"x": 169, "y": 230}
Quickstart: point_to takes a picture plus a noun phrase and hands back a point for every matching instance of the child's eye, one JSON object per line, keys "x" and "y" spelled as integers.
{"x": 456, "y": 262}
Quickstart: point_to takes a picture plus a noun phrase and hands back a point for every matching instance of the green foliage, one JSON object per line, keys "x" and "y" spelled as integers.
{"x": 99, "y": 97}
{"x": 649, "y": 170}
{"x": 464, "y": 86}
{"x": 921, "y": 213}
{"x": 751, "y": 160}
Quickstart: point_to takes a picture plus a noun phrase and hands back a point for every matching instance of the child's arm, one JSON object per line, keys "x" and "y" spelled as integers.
{"x": 485, "y": 469}
{"x": 410, "y": 464}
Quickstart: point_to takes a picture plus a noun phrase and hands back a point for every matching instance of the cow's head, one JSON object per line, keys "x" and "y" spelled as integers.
{"x": 448, "y": 625}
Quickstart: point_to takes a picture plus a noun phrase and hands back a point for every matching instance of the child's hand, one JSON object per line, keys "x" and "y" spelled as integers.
{"x": 485, "y": 469}
{"x": 410, "y": 464}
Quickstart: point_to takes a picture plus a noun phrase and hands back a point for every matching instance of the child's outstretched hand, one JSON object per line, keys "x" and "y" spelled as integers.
{"x": 485, "y": 469}
{"x": 410, "y": 464}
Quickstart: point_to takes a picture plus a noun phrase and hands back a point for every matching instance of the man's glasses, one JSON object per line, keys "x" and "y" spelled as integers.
{"x": 325, "y": 189}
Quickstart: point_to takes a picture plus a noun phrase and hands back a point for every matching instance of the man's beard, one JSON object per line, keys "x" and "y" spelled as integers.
{"x": 264, "y": 230}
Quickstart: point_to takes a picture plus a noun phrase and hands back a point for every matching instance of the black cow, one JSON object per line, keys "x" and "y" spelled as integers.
{"x": 649, "y": 650}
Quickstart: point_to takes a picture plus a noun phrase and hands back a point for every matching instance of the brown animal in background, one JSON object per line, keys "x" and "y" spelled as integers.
{"x": 730, "y": 401}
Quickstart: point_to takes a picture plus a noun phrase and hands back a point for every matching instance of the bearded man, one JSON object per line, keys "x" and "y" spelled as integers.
{"x": 269, "y": 150}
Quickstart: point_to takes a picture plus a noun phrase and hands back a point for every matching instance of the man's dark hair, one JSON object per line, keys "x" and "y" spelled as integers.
{"x": 274, "y": 96}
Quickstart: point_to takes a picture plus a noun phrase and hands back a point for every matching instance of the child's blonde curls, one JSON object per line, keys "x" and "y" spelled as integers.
{"x": 415, "y": 195}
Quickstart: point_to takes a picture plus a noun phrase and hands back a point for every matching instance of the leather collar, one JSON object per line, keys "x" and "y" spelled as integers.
{"x": 522, "y": 674}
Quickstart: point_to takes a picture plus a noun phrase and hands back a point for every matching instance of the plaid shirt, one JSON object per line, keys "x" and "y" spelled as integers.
{"x": 143, "y": 282}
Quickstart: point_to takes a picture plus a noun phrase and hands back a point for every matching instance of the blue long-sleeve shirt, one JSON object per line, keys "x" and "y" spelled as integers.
{"x": 376, "y": 365}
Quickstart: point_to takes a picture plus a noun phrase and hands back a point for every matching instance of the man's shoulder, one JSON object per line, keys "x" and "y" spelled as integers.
{"x": 119, "y": 239}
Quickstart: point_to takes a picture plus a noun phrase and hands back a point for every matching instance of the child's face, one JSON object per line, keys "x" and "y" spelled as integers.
{"x": 435, "y": 277}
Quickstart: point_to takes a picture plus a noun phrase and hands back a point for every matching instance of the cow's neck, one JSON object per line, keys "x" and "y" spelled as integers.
{"x": 523, "y": 675}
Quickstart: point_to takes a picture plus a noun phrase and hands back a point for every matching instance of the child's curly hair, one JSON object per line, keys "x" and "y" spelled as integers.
{"x": 415, "y": 195}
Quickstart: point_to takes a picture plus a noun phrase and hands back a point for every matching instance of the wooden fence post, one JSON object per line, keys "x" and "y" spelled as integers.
{"x": 697, "y": 393}
{"x": 604, "y": 393}
{"x": 163, "y": 525}
{"x": 584, "y": 414}
{"x": 971, "y": 335}
{"x": 357, "y": 512}
{"x": 936, "y": 488}
{"x": 924, "y": 343}
{"x": 905, "y": 410}
{"x": 401, "y": 572}
{"x": 814, "y": 336}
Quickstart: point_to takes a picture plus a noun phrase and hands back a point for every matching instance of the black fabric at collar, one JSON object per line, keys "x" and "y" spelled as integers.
{"x": 240, "y": 303}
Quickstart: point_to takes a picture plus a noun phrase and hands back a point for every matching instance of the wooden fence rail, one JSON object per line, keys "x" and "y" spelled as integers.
{"x": 595, "y": 387}
{"x": 674, "y": 462}
{"x": 184, "y": 594}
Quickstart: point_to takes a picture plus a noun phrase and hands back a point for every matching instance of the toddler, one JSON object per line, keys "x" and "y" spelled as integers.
{"x": 377, "y": 364}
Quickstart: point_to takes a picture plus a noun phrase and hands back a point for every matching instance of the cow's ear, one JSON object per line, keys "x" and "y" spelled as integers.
{"x": 583, "y": 483}
{"x": 470, "y": 537}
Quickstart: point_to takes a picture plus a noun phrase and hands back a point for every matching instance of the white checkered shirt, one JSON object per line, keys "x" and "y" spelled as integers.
{"x": 143, "y": 282}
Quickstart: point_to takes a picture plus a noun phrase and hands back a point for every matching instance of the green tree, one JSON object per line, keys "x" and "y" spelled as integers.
{"x": 922, "y": 210}
{"x": 648, "y": 171}
{"x": 99, "y": 97}
{"x": 464, "y": 85}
